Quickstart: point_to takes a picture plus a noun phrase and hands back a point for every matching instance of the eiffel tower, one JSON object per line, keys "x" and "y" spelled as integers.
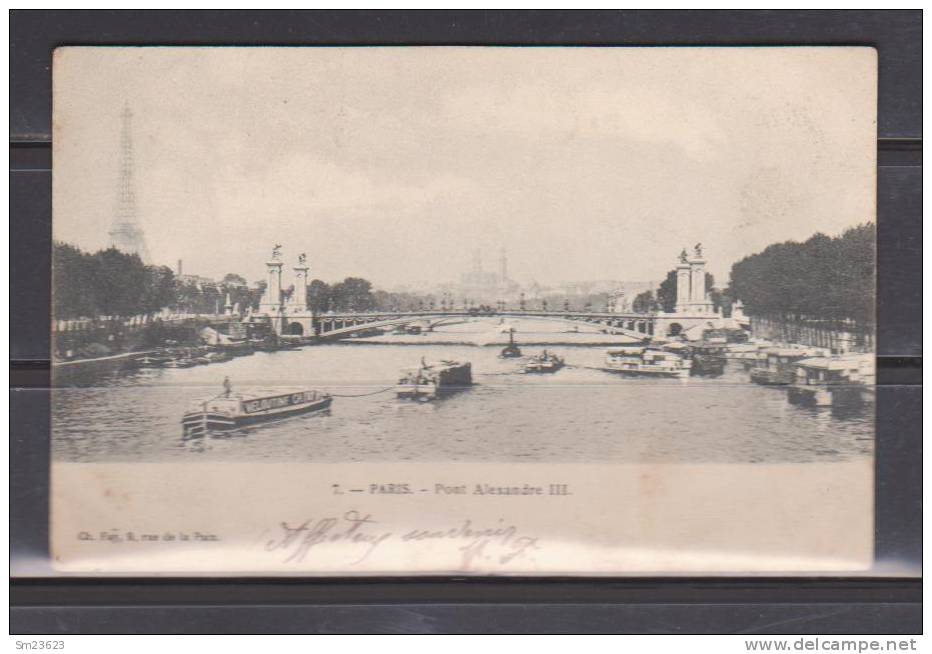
{"x": 126, "y": 234}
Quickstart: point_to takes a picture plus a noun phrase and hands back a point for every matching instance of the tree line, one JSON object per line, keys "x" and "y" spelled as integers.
{"x": 823, "y": 278}
{"x": 357, "y": 294}
{"x": 119, "y": 285}
{"x": 107, "y": 283}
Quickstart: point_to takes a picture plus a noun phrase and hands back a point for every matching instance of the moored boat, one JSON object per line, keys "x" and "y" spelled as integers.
{"x": 232, "y": 410}
{"x": 775, "y": 366}
{"x": 434, "y": 379}
{"x": 647, "y": 361}
{"x": 833, "y": 381}
{"x": 544, "y": 362}
{"x": 708, "y": 358}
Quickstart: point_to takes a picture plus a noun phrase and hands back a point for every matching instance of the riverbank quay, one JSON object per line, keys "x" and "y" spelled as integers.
{"x": 79, "y": 369}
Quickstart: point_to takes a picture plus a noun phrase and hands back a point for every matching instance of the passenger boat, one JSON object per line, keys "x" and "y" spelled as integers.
{"x": 708, "y": 358}
{"x": 510, "y": 351}
{"x": 233, "y": 410}
{"x": 775, "y": 366}
{"x": 833, "y": 381}
{"x": 647, "y": 361}
{"x": 544, "y": 362}
{"x": 434, "y": 379}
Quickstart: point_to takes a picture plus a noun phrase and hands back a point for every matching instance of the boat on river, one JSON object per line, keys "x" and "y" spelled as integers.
{"x": 775, "y": 365}
{"x": 235, "y": 409}
{"x": 434, "y": 379}
{"x": 647, "y": 362}
{"x": 708, "y": 357}
{"x": 510, "y": 351}
{"x": 544, "y": 362}
{"x": 833, "y": 381}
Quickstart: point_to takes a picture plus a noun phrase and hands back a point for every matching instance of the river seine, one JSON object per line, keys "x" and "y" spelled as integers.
{"x": 579, "y": 414}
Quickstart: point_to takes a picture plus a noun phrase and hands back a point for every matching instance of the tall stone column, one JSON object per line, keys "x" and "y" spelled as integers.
{"x": 272, "y": 299}
{"x": 299, "y": 299}
{"x": 697, "y": 274}
{"x": 683, "y": 285}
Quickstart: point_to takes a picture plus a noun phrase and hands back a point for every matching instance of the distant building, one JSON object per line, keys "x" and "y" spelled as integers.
{"x": 196, "y": 280}
{"x": 481, "y": 286}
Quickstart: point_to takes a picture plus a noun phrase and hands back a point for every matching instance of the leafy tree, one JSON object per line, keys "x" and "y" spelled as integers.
{"x": 74, "y": 296}
{"x": 666, "y": 293}
{"x": 352, "y": 294}
{"x": 318, "y": 296}
{"x": 644, "y": 302}
{"x": 160, "y": 289}
{"x": 120, "y": 281}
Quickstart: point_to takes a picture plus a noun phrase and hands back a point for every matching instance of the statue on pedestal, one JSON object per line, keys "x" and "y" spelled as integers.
{"x": 683, "y": 256}
{"x": 277, "y": 252}
{"x": 698, "y": 249}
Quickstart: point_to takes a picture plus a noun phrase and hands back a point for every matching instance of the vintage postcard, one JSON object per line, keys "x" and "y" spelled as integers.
{"x": 463, "y": 310}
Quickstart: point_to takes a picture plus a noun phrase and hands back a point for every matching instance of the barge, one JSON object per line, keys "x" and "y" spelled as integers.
{"x": 232, "y": 410}
{"x": 434, "y": 379}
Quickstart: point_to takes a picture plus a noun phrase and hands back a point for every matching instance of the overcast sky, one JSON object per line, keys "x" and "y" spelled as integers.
{"x": 395, "y": 163}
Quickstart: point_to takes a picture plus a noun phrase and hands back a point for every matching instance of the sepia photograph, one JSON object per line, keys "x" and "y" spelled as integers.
{"x": 413, "y": 310}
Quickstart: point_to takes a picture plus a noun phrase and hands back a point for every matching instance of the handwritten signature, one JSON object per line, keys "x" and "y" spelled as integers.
{"x": 500, "y": 543}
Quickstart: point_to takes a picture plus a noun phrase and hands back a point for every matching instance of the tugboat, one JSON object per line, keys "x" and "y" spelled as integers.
{"x": 647, "y": 361}
{"x": 510, "y": 351}
{"x": 544, "y": 362}
{"x": 432, "y": 380}
{"x": 231, "y": 410}
{"x": 775, "y": 366}
{"x": 833, "y": 381}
